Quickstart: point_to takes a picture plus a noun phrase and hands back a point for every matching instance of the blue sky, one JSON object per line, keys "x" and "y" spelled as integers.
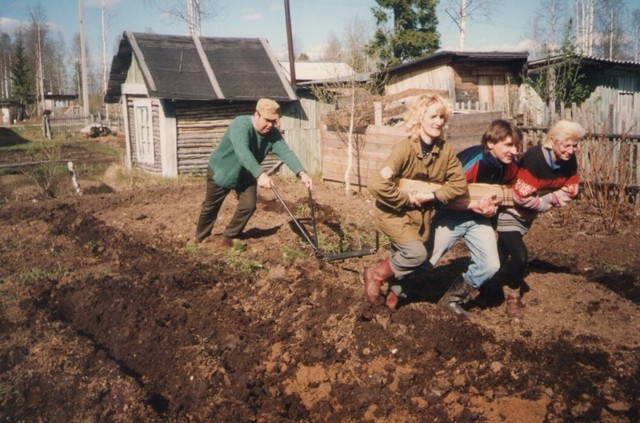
{"x": 312, "y": 22}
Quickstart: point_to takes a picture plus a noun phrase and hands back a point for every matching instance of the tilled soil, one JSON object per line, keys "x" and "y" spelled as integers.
{"x": 110, "y": 312}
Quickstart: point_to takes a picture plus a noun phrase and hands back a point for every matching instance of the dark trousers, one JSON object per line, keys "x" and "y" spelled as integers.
{"x": 213, "y": 202}
{"x": 511, "y": 245}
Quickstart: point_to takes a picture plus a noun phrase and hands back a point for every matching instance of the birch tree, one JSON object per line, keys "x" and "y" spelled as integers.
{"x": 58, "y": 67}
{"x": 610, "y": 24}
{"x": 548, "y": 28}
{"x": 191, "y": 12}
{"x": 584, "y": 17}
{"x": 461, "y": 11}
{"x": 635, "y": 24}
{"x": 351, "y": 98}
{"x": 37, "y": 34}
{"x": 333, "y": 50}
{"x": 104, "y": 21}
{"x": 5, "y": 65}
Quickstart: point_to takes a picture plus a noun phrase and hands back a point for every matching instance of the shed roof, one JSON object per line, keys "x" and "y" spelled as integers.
{"x": 199, "y": 68}
{"x": 444, "y": 56}
{"x": 596, "y": 62}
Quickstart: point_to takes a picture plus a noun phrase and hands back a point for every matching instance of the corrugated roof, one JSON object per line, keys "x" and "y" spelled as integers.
{"x": 584, "y": 60}
{"x": 318, "y": 71}
{"x": 200, "y": 68}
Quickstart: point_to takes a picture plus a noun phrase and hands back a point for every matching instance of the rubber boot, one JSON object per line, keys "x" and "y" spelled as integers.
{"x": 514, "y": 303}
{"x": 455, "y": 295}
{"x": 372, "y": 279}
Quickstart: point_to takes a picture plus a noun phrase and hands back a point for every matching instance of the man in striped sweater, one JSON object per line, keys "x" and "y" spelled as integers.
{"x": 491, "y": 162}
{"x": 547, "y": 177}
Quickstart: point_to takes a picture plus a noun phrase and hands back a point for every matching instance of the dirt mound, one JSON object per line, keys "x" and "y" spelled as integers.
{"x": 109, "y": 312}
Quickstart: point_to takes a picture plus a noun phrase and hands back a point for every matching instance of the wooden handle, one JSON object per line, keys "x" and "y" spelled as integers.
{"x": 476, "y": 190}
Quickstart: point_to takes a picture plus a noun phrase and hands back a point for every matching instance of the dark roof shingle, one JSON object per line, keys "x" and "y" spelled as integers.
{"x": 200, "y": 68}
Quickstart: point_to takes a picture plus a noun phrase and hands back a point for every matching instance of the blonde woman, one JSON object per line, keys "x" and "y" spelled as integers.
{"x": 547, "y": 177}
{"x": 403, "y": 217}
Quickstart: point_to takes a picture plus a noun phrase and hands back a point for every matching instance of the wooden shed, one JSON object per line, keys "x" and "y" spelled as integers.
{"x": 473, "y": 80}
{"x": 8, "y": 112}
{"x": 612, "y": 87}
{"x": 180, "y": 93}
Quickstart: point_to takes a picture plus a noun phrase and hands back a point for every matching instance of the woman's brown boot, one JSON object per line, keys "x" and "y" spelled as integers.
{"x": 372, "y": 279}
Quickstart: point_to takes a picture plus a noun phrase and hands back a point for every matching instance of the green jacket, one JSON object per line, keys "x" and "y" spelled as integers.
{"x": 235, "y": 162}
{"x": 394, "y": 216}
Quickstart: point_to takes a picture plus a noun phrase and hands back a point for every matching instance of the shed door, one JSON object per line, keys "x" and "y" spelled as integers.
{"x": 491, "y": 92}
{"x": 144, "y": 133}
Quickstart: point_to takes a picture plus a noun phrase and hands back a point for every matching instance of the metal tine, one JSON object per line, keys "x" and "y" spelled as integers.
{"x": 312, "y": 205}
{"x": 302, "y": 230}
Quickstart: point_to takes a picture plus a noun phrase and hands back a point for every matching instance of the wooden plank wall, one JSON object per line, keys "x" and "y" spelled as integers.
{"x": 374, "y": 145}
{"x": 437, "y": 79}
{"x": 300, "y": 125}
{"x": 200, "y": 126}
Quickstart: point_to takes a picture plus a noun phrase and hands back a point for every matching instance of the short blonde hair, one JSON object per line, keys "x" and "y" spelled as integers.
{"x": 562, "y": 130}
{"x": 418, "y": 109}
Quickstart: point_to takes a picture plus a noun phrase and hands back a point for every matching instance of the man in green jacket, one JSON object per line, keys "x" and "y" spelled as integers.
{"x": 405, "y": 217}
{"x": 235, "y": 165}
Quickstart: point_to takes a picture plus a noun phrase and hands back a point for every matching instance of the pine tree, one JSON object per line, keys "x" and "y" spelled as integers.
{"x": 22, "y": 88}
{"x": 413, "y": 33}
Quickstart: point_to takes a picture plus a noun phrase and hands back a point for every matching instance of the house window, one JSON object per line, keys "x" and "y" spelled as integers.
{"x": 144, "y": 131}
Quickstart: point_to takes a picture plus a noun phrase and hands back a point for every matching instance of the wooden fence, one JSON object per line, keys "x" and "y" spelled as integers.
{"x": 373, "y": 145}
{"x": 611, "y": 159}
{"x": 606, "y": 111}
{"x": 70, "y": 122}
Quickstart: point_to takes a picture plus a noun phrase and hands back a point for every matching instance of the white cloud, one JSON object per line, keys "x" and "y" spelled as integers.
{"x": 277, "y": 6}
{"x": 251, "y": 15}
{"x": 9, "y": 25}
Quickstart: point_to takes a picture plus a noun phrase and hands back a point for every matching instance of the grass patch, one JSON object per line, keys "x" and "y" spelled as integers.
{"x": 123, "y": 178}
{"x": 290, "y": 254}
{"x": 36, "y": 274}
{"x": 238, "y": 261}
{"x": 196, "y": 249}
{"x": 103, "y": 149}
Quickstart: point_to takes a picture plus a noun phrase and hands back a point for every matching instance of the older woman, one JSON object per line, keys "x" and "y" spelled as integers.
{"x": 405, "y": 217}
{"x": 547, "y": 177}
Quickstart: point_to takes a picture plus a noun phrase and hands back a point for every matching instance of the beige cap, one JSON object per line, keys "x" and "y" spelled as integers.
{"x": 268, "y": 109}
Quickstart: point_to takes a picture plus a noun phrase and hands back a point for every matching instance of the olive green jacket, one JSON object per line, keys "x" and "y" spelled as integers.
{"x": 395, "y": 217}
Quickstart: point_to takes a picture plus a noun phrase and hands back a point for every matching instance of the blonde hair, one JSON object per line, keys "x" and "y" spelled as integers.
{"x": 562, "y": 130}
{"x": 418, "y": 109}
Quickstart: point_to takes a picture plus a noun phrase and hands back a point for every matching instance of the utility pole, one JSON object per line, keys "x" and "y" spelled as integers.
{"x": 292, "y": 58}
{"x": 83, "y": 64}
{"x": 104, "y": 57}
